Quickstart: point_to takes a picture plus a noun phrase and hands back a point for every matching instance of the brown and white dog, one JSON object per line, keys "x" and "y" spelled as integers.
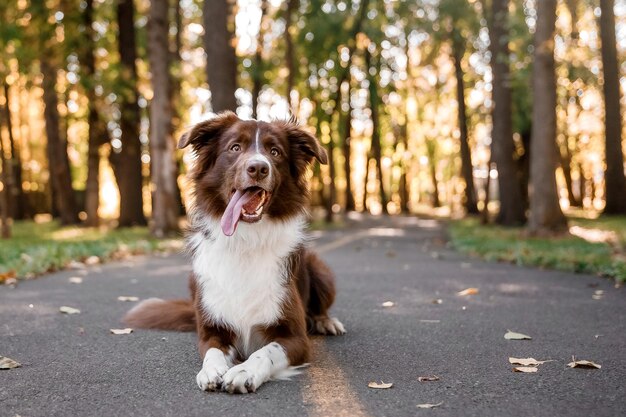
{"x": 256, "y": 289}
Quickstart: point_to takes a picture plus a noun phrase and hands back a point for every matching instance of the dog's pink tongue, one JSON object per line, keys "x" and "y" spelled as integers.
{"x": 231, "y": 215}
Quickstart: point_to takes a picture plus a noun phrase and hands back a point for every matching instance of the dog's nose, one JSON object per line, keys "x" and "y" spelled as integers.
{"x": 257, "y": 170}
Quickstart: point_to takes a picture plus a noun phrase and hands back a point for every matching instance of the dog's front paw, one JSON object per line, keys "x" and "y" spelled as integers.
{"x": 243, "y": 378}
{"x": 328, "y": 325}
{"x": 210, "y": 377}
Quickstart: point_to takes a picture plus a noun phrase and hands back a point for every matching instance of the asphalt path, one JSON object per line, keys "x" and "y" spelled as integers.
{"x": 73, "y": 366}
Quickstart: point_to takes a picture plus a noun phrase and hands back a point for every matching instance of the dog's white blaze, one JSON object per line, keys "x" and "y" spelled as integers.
{"x": 256, "y": 141}
{"x": 242, "y": 277}
{"x": 258, "y": 156}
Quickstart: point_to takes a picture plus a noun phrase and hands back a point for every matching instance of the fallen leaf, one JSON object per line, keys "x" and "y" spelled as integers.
{"x": 468, "y": 291}
{"x": 388, "y": 304}
{"x": 516, "y": 336}
{"x": 75, "y": 265}
{"x": 429, "y": 405}
{"x": 430, "y": 321}
{"x": 382, "y": 385}
{"x": 525, "y": 369}
{"x": 583, "y": 364}
{"x": 428, "y": 378}
{"x": 69, "y": 310}
{"x": 8, "y": 363}
{"x": 128, "y": 330}
{"x": 437, "y": 301}
{"x": 92, "y": 260}
{"x": 525, "y": 361}
{"x": 5, "y": 276}
{"x": 10, "y": 281}
{"x": 75, "y": 280}
{"x": 391, "y": 254}
{"x": 127, "y": 298}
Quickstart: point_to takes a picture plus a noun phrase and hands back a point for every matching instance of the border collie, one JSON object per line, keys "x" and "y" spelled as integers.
{"x": 256, "y": 289}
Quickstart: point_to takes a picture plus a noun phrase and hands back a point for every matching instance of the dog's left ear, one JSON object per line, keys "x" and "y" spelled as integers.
{"x": 303, "y": 144}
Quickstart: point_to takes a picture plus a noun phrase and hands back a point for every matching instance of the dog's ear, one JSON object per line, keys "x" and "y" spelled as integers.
{"x": 205, "y": 132}
{"x": 304, "y": 146}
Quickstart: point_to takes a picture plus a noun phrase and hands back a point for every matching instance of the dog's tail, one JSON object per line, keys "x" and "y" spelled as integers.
{"x": 154, "y": 313}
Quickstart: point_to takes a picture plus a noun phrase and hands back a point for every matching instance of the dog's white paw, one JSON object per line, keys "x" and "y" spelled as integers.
{"x": 329, "y": 325}
{"x": 210, "y": 377}
{"x": 245, "y": 377}
{"x": 213, "y": 368}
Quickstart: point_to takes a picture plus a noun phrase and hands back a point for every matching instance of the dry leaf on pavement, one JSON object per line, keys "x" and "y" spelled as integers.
{"x": 468, "y": 291}
{"x": 382, "y": 385}
{"x": 516, "y": 336}
{"x": 388, "y": 304}
{"x": 92, "y": 260}
{"x": 75, "y": 280}
{"x": 8, "y": 363}
{"x": 69, "y": 310}
{"x": 127, "y": 298}
{"x": 428, "y": 378}
{"x": 429, "y": 405}
{"x": 127, "y": 330}
{"x": 525, "y": 361}
{"x": 525, "y": 369}
{"x": 583, "y": 364}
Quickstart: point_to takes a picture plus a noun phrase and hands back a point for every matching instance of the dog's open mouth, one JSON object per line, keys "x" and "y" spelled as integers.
{"x": 246, "y": 205}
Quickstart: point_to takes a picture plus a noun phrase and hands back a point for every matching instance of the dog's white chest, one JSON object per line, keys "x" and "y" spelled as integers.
{"x": 243, "y": 277}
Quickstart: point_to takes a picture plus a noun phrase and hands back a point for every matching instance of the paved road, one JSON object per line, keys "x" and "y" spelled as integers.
{"x": 72, "y": 366}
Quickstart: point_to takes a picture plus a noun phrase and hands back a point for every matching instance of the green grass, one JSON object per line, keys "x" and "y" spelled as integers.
{"x": 37, "y": 248}
{"x": 569, "y": 253}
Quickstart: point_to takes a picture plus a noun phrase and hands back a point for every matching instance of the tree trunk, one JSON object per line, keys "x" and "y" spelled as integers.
{"x": 511, "y": 206}
{"x": 332, "y": 189}
{"x": 5, "y": 222}
{"x": 466, "y": 154}
{"x": 175, "y": 88}
{"x": 163, "y": 168}
{"x": 376, "y": 145}
{"x": 546, "y": 216}
{"x": 403, "y": 184}
{"x": 432, "y": 168}
{"x": 347, "y": 130}
{"x": 97, "y": 132}
{"x": 58, "y": 161}
{"x": 127, "y": 163}
{"x": 614, "y": 179}
{"x": 18, "y": 208}
{"x": 292, "y": 7}
{"x": 221, "y": 58}
{"x": 257, "y": 70}
{"x": 365, "y": 178}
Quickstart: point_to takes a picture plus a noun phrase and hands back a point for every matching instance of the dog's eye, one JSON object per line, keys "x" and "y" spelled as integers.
{"x": 275, "y": 152}
{"x": 235, "y": 148}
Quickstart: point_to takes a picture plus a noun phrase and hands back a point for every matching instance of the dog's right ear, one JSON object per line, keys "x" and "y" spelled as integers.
{"x": 204, "y": 132}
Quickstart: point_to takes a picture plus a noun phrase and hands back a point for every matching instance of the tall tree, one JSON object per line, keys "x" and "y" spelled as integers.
{"x": 19, "y": 207}
{"x": 63, "y": 196}
{"x": 292, "y": 7}
{"x": 502, "y": 147}
{"x": 163, "y": 170}
{"x": 127, "y": 163}
{"x": 373, "y": 70}
{"x": 545, "y": 212}
{"x": 470, "y": 201}
{"x": 614, "y": 179}
{"x": 97, "y": 132}
{"x": 257, "y": 70}
{"x": 347, "y": 154}
{"x": 5, "y": 222}
{"x": 220, "y": 53}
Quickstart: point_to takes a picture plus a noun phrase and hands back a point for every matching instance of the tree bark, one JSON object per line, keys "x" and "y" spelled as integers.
{"x": 376, "y": 145}
{"x": 614, "y": 179}
{"x": 221, "y": 58}
{"x": 432, "y": 168}
{"x": 18, "y": 208}
{"x": 546, "y": 216}
{"x": 127, "y": 163}
{"x": 97, "y": 132}
{"x": 511, "y": 207}
{"x": 292, "y": 7}
{"x": 466, "y": 154}
{"x": 347, "y": 130}
{"x": 163, "y": 167}
{"x": 58, "y": 161}
{"x": 5, "y": 222}
{"x": 257, "y": 74}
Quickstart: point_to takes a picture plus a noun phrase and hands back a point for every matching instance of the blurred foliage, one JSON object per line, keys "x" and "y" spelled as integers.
{"x": 569, "y": 253}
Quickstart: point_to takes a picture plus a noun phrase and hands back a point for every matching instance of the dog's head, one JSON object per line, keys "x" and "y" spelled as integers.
{"x": 247, "y": 169}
